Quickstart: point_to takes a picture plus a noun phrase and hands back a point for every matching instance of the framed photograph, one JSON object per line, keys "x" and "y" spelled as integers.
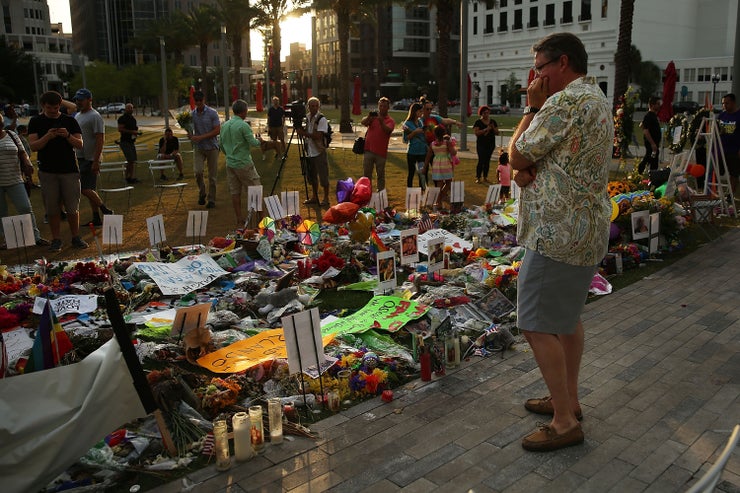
{"x": 409, "y": 246}
{"x": 386, "y": 263}
{"x": 640, "y": 225}
{"x": 436, "y": 249}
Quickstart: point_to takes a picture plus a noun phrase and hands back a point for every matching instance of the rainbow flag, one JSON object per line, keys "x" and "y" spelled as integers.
{"x": 51, "y": 343}
{"x": 376, "y": 244}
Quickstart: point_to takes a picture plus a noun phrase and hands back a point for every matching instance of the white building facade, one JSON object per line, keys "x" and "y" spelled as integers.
{"x": 698, "y": 35}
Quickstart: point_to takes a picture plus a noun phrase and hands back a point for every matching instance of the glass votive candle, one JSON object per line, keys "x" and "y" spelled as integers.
{"x": 332, "y": 400}
{"x": 256, "y": 428}
{"x": 221, "y": 445}
{"x": 275, "y": 415}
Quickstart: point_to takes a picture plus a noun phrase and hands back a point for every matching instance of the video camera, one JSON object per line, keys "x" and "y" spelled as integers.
{"x": 296, "y": 113}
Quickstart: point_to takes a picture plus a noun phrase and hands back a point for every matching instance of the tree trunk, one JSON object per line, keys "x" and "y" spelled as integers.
{"x": 445, "y": 14}
{"x": 204, "y": 69}
{"x": 277, "y": 46}
{"x": 236, "y": 52}
{"x": 621, "y": 58}
{"x": 343, "y": 20}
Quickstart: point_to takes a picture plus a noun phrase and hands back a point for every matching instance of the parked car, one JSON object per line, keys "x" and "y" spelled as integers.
{"x": 115, "y": 107}
{"x": 403, "y": 105}
{"x": 498, "y": 109}
{"x": 686, "y": 107}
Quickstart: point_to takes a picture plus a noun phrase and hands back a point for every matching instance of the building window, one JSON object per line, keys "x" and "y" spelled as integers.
{"x": 550, "y": 14}
{"x": 475, "y": 26}
{"x": 604, "y": 8}
{"x": 502, "y": 3}
{"x": 533, "y": 17}
{"x": 517, "y": 2}
{"x": 585, "y": 10}
{"x": 689, "y": 75}
{"x": 723, "y": 73}
{"x": 704, "y": 75}
{"x": 489, "y": 24}
{"x": 490, "y": 4}
{"x": 567, "y": 13}
{"x": 475, "y": 7}
{"x": 517, "y": 20}
{"x": 503, "y": 22}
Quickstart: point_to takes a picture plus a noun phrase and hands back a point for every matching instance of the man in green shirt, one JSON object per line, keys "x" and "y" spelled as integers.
{"x": 236, "y": 140}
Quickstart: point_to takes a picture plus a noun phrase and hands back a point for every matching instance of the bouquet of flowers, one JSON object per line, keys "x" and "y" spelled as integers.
{"x": 185, "y": 120}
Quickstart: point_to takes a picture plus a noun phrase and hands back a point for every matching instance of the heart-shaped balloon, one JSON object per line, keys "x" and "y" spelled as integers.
{"x": 361, "y": 227}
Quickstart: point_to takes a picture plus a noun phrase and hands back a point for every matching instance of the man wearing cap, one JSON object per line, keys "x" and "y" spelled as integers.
{"x": 55, "y": 136}
{"x": 206, "y": 127}
{"x": 129, "y": 130}
{"x": 88, "y": 157}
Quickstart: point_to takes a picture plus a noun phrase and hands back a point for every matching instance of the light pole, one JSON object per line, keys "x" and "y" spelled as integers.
{"x": 225, "y": 72}
{"x": 314, "y": 57}
{"x": 715, "y": 80}
{"x": 164, "y": 83}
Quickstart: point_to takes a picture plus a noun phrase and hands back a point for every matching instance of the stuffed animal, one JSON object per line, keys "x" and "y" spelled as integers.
{"x": 197, "y": 341}
{"x": 267, "y": 299}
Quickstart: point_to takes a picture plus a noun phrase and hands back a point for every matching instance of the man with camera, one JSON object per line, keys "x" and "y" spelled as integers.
{"x": 318, "y": 165}
{"x": 379, "y": 128}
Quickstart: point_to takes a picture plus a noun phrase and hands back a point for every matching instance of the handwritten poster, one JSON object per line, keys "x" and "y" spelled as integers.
{"x": 245, "y": 354}
{"x": 457, "y": 243}
{"x": 186, "y": 275}
{"x": 382, "y": 312}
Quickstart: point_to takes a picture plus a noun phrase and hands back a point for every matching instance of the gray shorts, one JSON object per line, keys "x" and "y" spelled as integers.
{"x": 240, "y": 179}
{"x": 88, "y": 179}
{"x": 318, "y": 170}
{"x": 551, "y": 294}
{"x": 61, "y": 188}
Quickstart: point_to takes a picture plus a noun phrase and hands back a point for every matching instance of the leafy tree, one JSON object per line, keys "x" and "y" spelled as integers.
{"x": 203, "y": 26}
{"x": 274, "y": 11}
{"x": 512, "y": 94}
{"x": 16, "y": 78}
{"x": 648, "y": 78}
{"x": 238, "y": 17}
{"x": 173, "y": 28}
{"x": 624, "y": 42}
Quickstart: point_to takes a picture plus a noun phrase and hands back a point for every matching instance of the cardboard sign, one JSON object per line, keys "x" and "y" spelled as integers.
{"x": 254, "y": 198}
{"x": 290, "y": 203}
{"x": 155, "y": 226}
{"x": 413, "y": 199}
{"x": 72, "y": 303}
{"x": 430, "y": 196}
{"x": 457, "y": 194}
{"x": 242, "y": 355}
{"x": 274, "y": 207}
{"x": 186, "y": 275}
{"x": 18, "y": 231}
{"x": 112, "y": 229}
{"x": 189, "y": 318}
{"x": 197, "y": 224}
{"x": 302, "y": 333}
{"x": 457, "y": 243}
{"x": 494, "y": 191}
{"x": 382, "y": 312}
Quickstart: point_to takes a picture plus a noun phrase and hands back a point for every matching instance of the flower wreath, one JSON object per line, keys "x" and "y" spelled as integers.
{"x": 677, "y": 120}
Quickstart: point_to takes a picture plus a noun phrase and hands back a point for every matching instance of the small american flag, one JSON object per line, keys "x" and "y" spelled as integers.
{"x": 208, "y": 444}
{"x": 425, "y": 223}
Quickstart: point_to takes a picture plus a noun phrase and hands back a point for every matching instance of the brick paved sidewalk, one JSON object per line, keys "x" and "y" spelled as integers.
{"x": 660, "y": 392}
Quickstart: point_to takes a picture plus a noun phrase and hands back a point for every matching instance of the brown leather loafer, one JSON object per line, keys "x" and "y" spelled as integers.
{"x": 546, "y": 439}
{"x": 543, "y": 405}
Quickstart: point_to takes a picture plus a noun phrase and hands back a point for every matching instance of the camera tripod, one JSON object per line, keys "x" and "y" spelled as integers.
{"x": 303, "y": 155}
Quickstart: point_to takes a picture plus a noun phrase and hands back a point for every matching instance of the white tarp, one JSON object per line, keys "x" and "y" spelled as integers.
{"x": 51, "y": 418}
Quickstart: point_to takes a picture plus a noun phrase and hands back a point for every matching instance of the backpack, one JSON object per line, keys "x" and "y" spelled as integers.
{"x": 329, "y": 131}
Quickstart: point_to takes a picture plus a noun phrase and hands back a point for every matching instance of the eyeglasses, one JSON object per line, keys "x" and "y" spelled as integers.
{"x": 427, "y": 108}
{"x": 538, "y": 70}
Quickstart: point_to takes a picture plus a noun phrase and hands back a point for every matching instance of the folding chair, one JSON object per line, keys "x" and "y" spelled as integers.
{"x": 157, "y": 167}
{"x": 710, "y": 479}
{"x": 107, "y": 169}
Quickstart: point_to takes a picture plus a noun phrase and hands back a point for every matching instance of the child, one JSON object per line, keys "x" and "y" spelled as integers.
{"x": 504, "y": 175}
{"x": 439, "y": 155}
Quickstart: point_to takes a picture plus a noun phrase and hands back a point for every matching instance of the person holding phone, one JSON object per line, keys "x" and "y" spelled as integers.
{"x": 379, "y": 128}
{"x": 486, "y": 130}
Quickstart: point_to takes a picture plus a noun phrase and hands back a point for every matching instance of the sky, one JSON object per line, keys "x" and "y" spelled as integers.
{"x": 293, "y": 29}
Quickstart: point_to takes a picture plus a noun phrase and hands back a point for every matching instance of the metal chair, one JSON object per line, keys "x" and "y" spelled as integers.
{"x": 157, "y": 167}
{"x": 114, "y": 167}
{"x": 710, "y": 479}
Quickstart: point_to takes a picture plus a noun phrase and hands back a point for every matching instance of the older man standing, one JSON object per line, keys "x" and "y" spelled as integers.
{"x": 129, "y": 130}
{"x": 561, "y": 150}
{"x": 236, "y": 139}
{"x": 206, "y": 127}
{"x": 379, "y": 128}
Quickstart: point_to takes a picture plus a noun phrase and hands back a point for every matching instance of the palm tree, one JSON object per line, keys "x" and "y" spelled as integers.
{"x": 176, "y": 36}
{"x": 238, "y": 17}
{"x": 274, "y": 11}
{"x": 203, "y": 27}
{"x": 445, "y": 17}
{"x": 624, "y": 43}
